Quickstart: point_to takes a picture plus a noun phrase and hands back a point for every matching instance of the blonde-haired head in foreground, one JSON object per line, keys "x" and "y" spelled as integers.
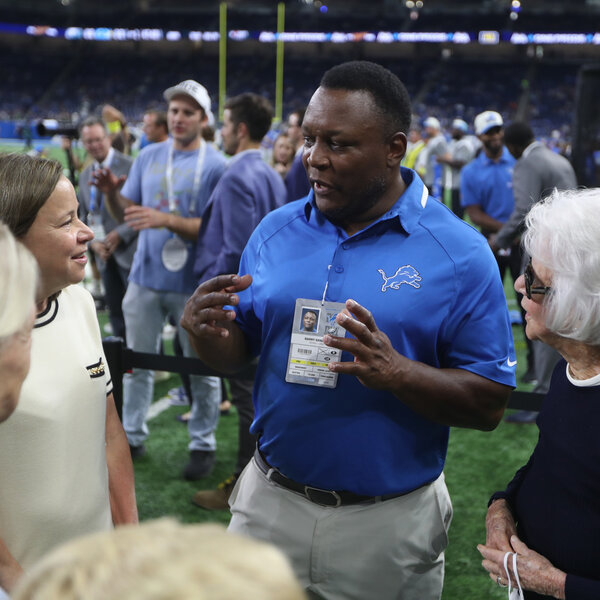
{"x": 18, "y": 284}
{"x": 18, "y": 280}
{"x": 162, "y": 560}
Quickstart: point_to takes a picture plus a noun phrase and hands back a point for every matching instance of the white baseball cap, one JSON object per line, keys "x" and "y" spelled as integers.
{"x": 194, "y": 90}
{"x": 486, "y": 120}
{"x": 460, "y": 125}
{"x": 432, "y": 122}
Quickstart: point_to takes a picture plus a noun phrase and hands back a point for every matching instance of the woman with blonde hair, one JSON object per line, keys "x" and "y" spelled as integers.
{"x": 18, "y": 279}
{"x": 162, "y": 559}
{"x": 65, "y": 467}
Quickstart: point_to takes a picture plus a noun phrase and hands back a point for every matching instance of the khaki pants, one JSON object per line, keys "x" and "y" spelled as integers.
{"x": 384, "y": 550}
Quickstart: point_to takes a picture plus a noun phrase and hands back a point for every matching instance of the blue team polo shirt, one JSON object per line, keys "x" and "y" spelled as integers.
{"x": 488, "y": 183}
{"x": 453, "y": 316}
{"x": 147, "y": 185}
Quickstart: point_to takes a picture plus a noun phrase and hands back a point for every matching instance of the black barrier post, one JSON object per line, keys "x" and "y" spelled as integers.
{"x": 113, "y": 350}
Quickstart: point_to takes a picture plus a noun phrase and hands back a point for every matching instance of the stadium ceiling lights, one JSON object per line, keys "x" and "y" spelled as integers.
{"x": 107, "y": 34}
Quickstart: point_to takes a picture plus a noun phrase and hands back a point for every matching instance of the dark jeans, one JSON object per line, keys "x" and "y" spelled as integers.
{"x": 114, "y": 278}
{"x": 241, "y": 398}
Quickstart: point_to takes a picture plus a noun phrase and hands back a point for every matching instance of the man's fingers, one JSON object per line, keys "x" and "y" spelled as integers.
{"x": 227, "y": 283}
{"x": 361, "y": 314}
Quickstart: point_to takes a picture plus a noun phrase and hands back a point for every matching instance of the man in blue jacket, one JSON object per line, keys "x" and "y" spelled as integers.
{"x": 246, "y": 192}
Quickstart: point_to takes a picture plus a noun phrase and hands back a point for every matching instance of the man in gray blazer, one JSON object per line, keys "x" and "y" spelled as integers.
{"x": 536, "y": 174}
{"x": 114, "y": 243}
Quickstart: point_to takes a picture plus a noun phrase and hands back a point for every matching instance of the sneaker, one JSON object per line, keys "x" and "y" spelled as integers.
{"x": 185, "y": 417}
{"x": 178, "y": 397}
{"x": 137, "y": 451}
{"x": 216, "y": 499}
{"x": 522, "y": 417}
{"x": 200, "y": 465}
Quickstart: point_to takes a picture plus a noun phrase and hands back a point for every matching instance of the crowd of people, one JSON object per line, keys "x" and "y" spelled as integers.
{"x": 374, "y": 315}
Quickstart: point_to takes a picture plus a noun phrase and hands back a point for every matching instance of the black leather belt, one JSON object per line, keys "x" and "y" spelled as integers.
{"x": 315, "y": 494}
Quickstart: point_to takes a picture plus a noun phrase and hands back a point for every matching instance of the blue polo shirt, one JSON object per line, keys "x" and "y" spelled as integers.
{"x": 489, "y": 184}
{"x": 147, "y": 185}
{"x": 454, "y": 316}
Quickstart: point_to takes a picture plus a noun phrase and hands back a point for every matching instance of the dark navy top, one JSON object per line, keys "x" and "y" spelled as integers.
{"x": 556, "y": 496}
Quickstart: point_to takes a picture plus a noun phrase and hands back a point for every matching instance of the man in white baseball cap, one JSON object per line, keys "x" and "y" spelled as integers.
{"x": 461, "y": 151}
{"x": 168, "y": 187}
{"x": 194, "y": 90}
{"x": 436, "y": 146}
{"x": 487, "y": 192}
{"x": 486, "y": 121}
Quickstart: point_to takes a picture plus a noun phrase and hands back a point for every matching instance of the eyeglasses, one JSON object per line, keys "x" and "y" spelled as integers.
{"x": 529, "y": 276}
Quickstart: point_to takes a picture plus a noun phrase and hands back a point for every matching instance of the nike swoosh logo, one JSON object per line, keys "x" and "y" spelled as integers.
{"x": 511, "y": 363}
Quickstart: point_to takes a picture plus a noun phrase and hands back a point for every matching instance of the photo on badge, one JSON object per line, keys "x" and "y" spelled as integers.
{"x": 309, "y": 322}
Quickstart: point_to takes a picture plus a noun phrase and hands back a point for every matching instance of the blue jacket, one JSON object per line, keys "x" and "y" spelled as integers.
{"x": 246, "y": 192}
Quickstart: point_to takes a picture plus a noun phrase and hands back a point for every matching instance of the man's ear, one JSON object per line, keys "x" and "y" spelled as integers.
{"x": 242, "y": 130}
{"x": 397, "y": 149}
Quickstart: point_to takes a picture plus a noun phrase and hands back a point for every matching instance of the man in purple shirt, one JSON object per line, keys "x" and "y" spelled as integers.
{"x": 246, "y": 192}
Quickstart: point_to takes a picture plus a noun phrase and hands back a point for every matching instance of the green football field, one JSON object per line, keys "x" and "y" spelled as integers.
{"x": 478, "y": 463}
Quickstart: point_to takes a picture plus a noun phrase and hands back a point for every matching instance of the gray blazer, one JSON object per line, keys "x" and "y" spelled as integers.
{"x": 535, "y": 175}
{"x": 120, "y": 165}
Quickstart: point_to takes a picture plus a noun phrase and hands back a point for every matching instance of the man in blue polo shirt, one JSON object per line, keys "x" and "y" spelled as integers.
{"x": 486, "y": 188}
{"x": 353, "y": 428}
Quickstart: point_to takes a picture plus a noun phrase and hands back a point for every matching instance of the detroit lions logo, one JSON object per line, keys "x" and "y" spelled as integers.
{"x": 406, "y": 274}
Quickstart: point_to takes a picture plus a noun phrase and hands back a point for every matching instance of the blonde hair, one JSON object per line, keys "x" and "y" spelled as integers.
{"x": 162, "y": 560}
{"x": 18, "y": 282}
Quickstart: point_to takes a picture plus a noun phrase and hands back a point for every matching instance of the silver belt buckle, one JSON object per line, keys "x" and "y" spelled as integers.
{"x": 330, "y": 493}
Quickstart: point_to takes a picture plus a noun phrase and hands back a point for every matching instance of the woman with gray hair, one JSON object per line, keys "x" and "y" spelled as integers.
{"x": 547, "y": 521}
{"x": 65, "y": 466}
{"x": 18, "y": 279}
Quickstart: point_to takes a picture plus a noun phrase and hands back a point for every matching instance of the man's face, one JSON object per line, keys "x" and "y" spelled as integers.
{"x": 153, "y": 133}
{"x": 431, "y": 132}
{"x": 309, "y": 321}
{"x": 346, "y": 156}
{"x": 95, "y": 141}
{"x": 185, "y": 119}
{"x": 229, "y": 134}
{"x": 493, "y": 141}
{"x": 294, "y": 132}
{"x": 414, "y": 135}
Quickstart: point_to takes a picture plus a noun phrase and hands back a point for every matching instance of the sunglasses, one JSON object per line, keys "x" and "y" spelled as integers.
{"x": 529, "y": 276}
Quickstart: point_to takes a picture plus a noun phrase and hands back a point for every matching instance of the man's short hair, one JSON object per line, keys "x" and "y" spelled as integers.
{"x": 160, "y": 118}
{"x": 300, "y": 112}
{"x": 91, "y": 121}
{"x": 388, "y": 92}
{"x": 518, "y": 134}
{"x": 253, "y": 110}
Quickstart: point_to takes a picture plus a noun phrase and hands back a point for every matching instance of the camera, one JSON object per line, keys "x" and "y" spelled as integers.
{"x": 50, "y": 127}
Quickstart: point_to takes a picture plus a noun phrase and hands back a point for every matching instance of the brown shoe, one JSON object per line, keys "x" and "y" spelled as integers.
{"x": 216, "y": 499}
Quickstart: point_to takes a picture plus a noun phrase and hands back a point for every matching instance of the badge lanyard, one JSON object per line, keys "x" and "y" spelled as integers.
{"x": 175, "y": 251}
{"x": 197, "y": 177}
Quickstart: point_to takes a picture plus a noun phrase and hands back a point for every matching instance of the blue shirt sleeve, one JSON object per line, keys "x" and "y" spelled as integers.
{"x": 479, "y": 313}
